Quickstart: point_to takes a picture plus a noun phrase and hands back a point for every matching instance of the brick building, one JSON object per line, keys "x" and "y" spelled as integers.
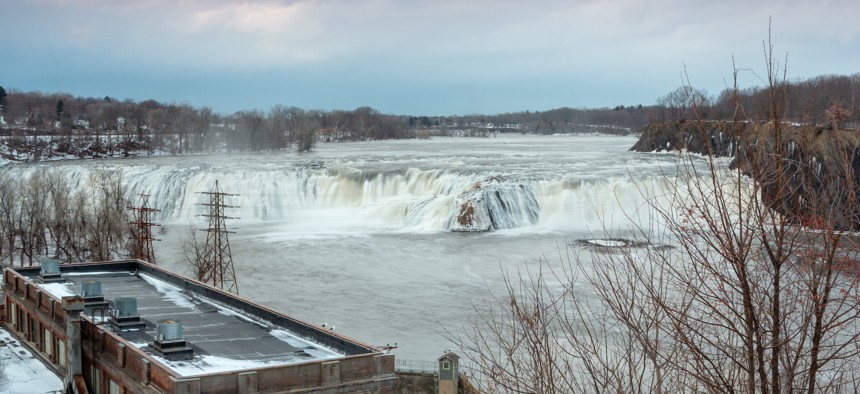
{"x": 132, "y": 327}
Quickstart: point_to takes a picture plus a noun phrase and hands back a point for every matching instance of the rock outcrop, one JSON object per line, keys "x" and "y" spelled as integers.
{"x": 695, "y": 137}
{"x": 806, "y": 172}
{"x": 494, "y": 204}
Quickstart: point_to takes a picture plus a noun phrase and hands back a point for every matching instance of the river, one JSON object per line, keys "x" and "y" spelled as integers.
{"x": 359, "y": 235}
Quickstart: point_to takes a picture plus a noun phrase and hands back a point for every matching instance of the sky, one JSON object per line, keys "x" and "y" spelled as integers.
{"x": 411, "y": 57}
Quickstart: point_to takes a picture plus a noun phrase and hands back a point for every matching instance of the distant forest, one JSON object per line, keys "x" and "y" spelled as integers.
{"x": 73, "y": 125}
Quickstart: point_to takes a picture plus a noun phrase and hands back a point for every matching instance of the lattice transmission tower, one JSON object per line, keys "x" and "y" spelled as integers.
{"x": 142, "y": 220}
{"x": 217, "y": 265}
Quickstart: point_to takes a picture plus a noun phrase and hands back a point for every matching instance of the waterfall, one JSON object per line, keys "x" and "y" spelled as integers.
{"x": 421, "y": 200}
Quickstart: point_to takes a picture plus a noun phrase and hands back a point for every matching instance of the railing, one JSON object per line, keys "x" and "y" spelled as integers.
{"x": 402, "y": 365}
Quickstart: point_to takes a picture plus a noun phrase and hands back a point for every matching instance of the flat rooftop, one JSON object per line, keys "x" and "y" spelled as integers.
{"x": 224, "y": 337}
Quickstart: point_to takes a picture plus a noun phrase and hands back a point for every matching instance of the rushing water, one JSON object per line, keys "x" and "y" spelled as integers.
{"x": 358, "y": 235}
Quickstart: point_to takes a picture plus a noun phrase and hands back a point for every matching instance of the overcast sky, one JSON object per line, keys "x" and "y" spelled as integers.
{"x": 413, "y": 57}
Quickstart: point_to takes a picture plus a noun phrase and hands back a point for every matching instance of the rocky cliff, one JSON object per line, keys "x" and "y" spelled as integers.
{"x": 695, "y": 137}
{"x": 806, "y": 171}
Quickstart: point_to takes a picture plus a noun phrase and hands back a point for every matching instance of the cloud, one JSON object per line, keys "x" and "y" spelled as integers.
{"x": 289, "y": 33}
{"x": 251, "y": 18}
{"x": 430, "y": 46}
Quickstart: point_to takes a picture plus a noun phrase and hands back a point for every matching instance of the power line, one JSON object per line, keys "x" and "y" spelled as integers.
{"x": 143, "y": 249}
{"x": 217, "y": 265}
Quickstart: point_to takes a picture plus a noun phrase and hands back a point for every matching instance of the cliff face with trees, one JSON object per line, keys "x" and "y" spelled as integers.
{"x": 806, "y": 127}
{"x": 820, "y": 160}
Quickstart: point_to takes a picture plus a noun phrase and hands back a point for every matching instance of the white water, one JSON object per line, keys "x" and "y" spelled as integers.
{"x": 357, "y": 234}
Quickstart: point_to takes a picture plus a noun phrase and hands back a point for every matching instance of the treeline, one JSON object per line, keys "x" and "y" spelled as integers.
{"x": 110, "y": 124}
{"x": 41, "y": 217}
{"x": 106, "y": 124}
{"x": 618, "y": 120}
{"x": 814, "y": 101}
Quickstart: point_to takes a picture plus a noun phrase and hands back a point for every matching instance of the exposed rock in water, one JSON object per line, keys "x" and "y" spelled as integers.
{"x": 468, "y": 220}
{"x": 494, "y": 204}
{"x": 616, "y": 245}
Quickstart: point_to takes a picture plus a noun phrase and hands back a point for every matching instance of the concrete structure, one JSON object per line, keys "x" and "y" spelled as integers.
{"x": 100, "y": 341}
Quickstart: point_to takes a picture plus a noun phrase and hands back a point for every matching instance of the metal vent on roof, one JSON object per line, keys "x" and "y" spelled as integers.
{"x": 125, "y": 317}
{"x": 91, "y": 290}
{"x": 170, "y": 342}
{"x": 125, "y": 307}
{"x": 169, "y": 330}
{"x": 50, "y": 270}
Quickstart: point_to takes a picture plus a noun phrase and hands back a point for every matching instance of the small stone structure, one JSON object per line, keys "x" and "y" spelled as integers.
{"x": 448, "y": 373}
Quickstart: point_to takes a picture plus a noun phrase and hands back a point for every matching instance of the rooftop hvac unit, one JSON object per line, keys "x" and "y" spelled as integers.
{"x": 170, "y": 342}
{"x": 125, "y": 307}
{"x": 91, "y": 290}
{"x": 125, "y": 317}
{"x": 50, "y": 270}
{"x": 169, "y": 330}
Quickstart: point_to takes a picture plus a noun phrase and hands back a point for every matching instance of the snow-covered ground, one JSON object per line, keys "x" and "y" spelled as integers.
{"x": 52, "y": 148}
{"x": 21, "y": 372}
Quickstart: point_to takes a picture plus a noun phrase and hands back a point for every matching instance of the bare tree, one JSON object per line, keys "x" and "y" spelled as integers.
{"x": 759, "y": 294}
{"x": 193, "y": 248}
{"x": 303, "y": 128}
{"x": 837, "y": 115}
{"x": 106, "y": 230}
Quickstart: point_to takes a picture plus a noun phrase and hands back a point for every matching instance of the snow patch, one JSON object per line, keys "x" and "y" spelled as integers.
{"x": 95, "y": 273}
{"x": 207, "y": 364}
{"x": 170, "y": 292}
{"x": 316, "y": 350}
{"x": 612, "y": 243}
{"x": 21, "y": 371}
{"x": 58, "y": 290}
{"x": 229, "y": 312}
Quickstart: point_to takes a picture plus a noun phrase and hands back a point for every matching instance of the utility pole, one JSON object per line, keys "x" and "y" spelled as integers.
{"x": 217, "y": 267}
{"x": 143, "y": 235}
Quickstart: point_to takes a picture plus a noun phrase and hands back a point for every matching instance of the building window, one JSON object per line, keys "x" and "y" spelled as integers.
{"x": 13, "y": 314}
{"x": 61, "y": 352}
{"x": 49, "y": 344}
{"x": 113, "y": 387}
{"x": 33, "y": 332}
{"x": 446, "y": 365}
{"x": 95, "y": 377}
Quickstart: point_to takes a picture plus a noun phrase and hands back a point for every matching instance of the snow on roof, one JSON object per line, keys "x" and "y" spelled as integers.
{"x": 21, "y": 371}
{"x": 87, "y": 273}
{"x": 317, "y": 351}
{"x": 209, "y": 363}
{"x": 170, "y": 292}
{"x": 58, "y": 290}
{"x": 237, "y": 340}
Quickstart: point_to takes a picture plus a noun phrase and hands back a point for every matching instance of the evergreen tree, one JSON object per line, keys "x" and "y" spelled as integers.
{"x": 2, "y": 99}
{"x": 60, "y": 106}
